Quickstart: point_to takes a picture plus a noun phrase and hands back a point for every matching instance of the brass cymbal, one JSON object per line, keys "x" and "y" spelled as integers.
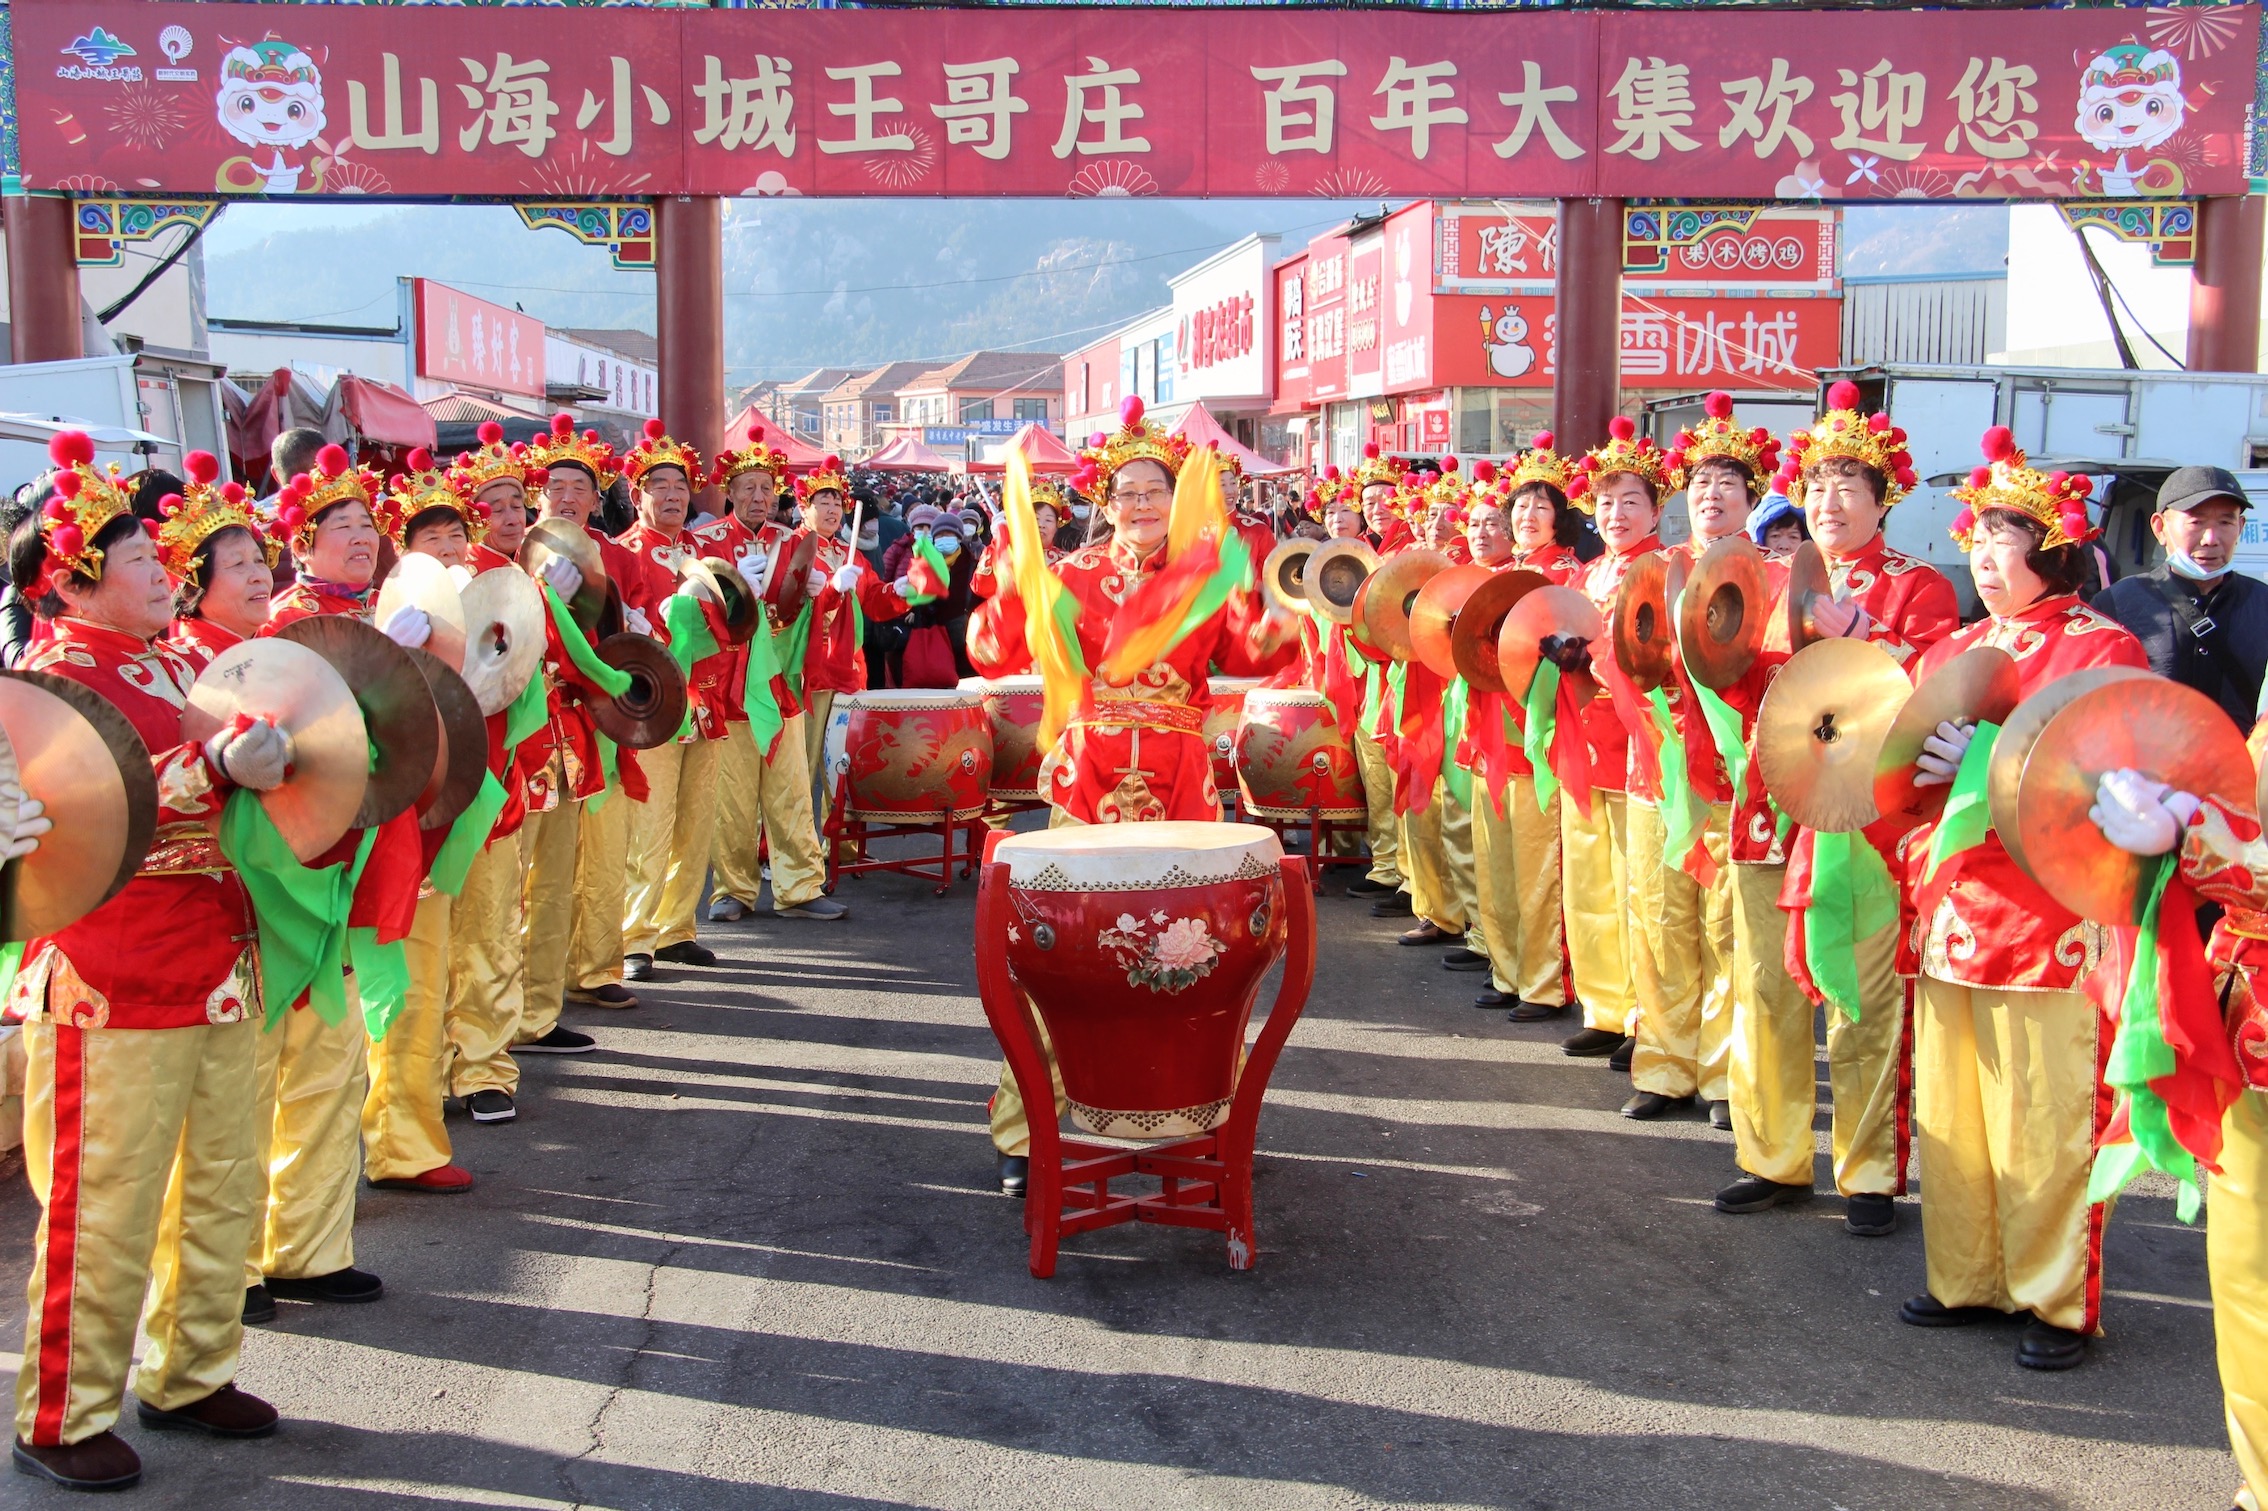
{"x": 1335, "y": 574}
{"x": 462, "y": 759}
{"x": 1359, "y": 615}
{"x": 1283, "y": 576}
{"x": 1391, "y": 594}
{"x": 504, "y": 636}
{"x": 547, "y": 538}
{"x": 790, "y": 582}
{"x": 1543, "y": 613}
{"x": 721, "y": 585}
{"x": 1435, "y": 610}
{"x": 2168, "y": 732}
{"x": 650, "y": 711}
{"x": 398, "y": 710}
{"x": 1979, "y": 686}
{"x": 1641, "y": 627}
{"x": 1792, "y": 628}
{"x": 1473, "y": 638}
{"x": 1820, "y": 729}
{"x": 92, "y": 772}
{"x": 1722, "y": 615}
{"x": 305, "y": 696}
{"x": 2019, "y": 732}
{"x": 421, "y": 581}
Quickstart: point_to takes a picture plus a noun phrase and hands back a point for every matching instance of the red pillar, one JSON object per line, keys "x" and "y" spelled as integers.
{"x": 43, "y": 279}
{"x": 1589, "y": 299}
{"x": 689, "y": 317}
{"x": 2224, "y": 285}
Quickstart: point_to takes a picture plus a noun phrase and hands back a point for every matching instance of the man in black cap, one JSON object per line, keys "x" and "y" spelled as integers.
{"x": 2204, "y": 625}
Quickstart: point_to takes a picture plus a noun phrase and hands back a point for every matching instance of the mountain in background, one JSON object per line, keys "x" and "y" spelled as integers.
{"x": 1924, "y": 240}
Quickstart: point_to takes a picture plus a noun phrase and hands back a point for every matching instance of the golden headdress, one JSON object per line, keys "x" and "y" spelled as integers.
{"x": 829, "y": 475}
{"x": 1843, "y": 431}
{"x": 492, "y": 461}
{"x": 425, "y": 487}
{"x": 2056, "y": 501}
{"x": 84, "y": 502}
{"x": 1374, "y": 468}
{"x": 1137, "y": 440}
{"x": 201, "y": 511}
{"x": 585, "y": 450}
{"x": 757, "y": 456}
{"x": 1625, "y": 451}
{"x": 1720, "y": 435}
{"x": 332, "y": 481}
{"x": 658, "y": 448}
{"x": 1539, "y": 464}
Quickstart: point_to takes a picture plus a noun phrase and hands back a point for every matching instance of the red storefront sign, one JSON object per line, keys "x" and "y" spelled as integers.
{"x": 1366, "y": 320}
{"x": 1292, "y": 368}
{"x": 1481, "y": 248}
{"x": 1326, "y": 318}
{"x": 1217, "y": 333}
{"x": 567, "y": 103}
{"x": 465, "y": 340}
{"x": 1667, "y": 342}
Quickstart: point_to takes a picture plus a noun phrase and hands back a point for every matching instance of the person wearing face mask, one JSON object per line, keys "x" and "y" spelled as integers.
{"x": 2008, "y": 1097}
{"x": 2202, "y": 623}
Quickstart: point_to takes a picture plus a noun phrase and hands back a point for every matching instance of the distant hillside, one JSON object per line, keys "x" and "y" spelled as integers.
{"x": 1924, "y": 239}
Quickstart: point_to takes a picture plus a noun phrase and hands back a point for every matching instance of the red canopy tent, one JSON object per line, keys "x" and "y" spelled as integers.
{"x": 801, "y": 454}
{"x": 905, "y": 454}
{"x": 372, "y": 413}
{"x": 1199, "y": 427}
{"x": 1041, "y": 450}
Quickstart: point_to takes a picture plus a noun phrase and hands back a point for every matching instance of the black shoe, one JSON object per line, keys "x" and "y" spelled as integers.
{"x": 1620, "y": 1060}
{"x": 102, "y": 1462}
{"x": 1538, "y": 1012}
{"x": 488, "y": 1105}
{"x": 1395, "y": 905}
{"x": 1720, "y": 1116}
{"x": 1429, "y": 932}
{"x": 1926, "y": 1310}
{"x": 2046, "y": 1346}
{"x": 1590, "y": 1043}
{"x": 560, "y": 1041}
{"x": 1015, "y": 1172}
{"x": 1871, "y": 1216}
{"x": 1462, "y": 959}
{"x": 347, "y": 1285}
{"x": 637, "y": 967}
{"x": 687, "y": 952}
{"x": 1753, "y": 1193}
{"x": 259, "y": 1306}
{"x": 1363, "y": 886}
{"x": 1649, "y": 1105}
{"x": 1491, "y": 997}
{"x": 613, "y": 994}
{"x": 226, "y": 1413}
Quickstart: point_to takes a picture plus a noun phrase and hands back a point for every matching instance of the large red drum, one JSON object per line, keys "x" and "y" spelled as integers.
{"x": 913, "y": 755}
{"x": 1014, "y": 706}
{"x": 1142, "y": 947}
{"x": 1221, "y": 723}
{"x": 1291, "y": 758}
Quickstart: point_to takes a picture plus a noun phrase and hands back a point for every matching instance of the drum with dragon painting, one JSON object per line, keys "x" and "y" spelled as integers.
{"x": 1142, "y": 948}
{"x": 1013, "y": 704}
{"x": 1221, "y": 721}
{"x": 1291, "y": 758}
{"x": 912, "y": 755}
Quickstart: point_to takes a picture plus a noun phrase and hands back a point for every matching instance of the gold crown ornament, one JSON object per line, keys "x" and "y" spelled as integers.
{"x": 201, "y": 511}
{"x": 2055, "y": 501}
{"x": 1539, "y": 464}
{"x": 1625, "y": 451}
{"x": 1720, "y": 437}
{"x": 829, "y": 475}
{"x": 1843, "y": 431}
{"x": 757, "y": 455}
{"x": 332, "y": 481}
{"x": 423, "y": 488}
{"x": 1444, "y": 490}
{"x": 1374, "y": 468}
{"x": 84, "y": 502}
{"x": 493, "y": 461}
{"x": 585, "y": 450}
{"x": 658, "y": 448}
{"x": 1047, "y": 494}
{"x": 1137, "y": 440}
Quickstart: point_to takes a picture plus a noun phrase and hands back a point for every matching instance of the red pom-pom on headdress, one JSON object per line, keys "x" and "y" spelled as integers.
{"x": 202, "y": 467}
{"x": 1999, "y": 443}
{"x": 1622, "y": 427}
{"x": 1484, "y": 471}
{"x": 333, "y": 460}
{"x": 71, "y": 448}
{"x": 420, "y": 459}
{"x": 1370, "y": 450}
{"x": 1718, "y": 405}
{"x": 563, "y": 423}
{"x": 1843, "y": 394}
{"x": 490, "y": 433}
{"x": 1130, "y": 410}
{"x": 1448, "y": 464}
{"x": 655, "y": 430}
{"x": 1543, "y": 440}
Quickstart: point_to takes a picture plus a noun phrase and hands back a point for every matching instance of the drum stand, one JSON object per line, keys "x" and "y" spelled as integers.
{"x": 1206, "y": 1181}
{"x": 1320, "y": 832}
{"x": 859, "y": 832}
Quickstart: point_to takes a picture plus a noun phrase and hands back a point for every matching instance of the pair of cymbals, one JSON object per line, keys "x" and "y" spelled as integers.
{"x": 72, "y": 750}
{"x": 1283, "y": 576}
{"x": 460, "y": 760}
{"x": 1644, "y": 642}
{"x": 422, "y": 582}
{"x": 1435, "y": 611}
{"x": 1546, "y": 620}
{"x": 722, "y": 588}
{"x": 295, "y": 687}
{"x": 652, "y": 709}
{"x": 1723, "y": 612}
{"x": 1795, "y": 626}
{"x": 561, "y": 539}
{"x": 398, "y": 708}
{"x": 504, "y": 637}
{"x": 1335, "y": 576}
{"x": 789, "y": 585}
{"x": 1389, "y": 594}
{"x": 1477, "y": 629}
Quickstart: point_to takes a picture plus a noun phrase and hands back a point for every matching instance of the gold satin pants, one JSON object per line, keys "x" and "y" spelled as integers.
{"x": 819, "y": 706}
{"x": 1436, "y": 859}
{"x": 1775, "y": 1072}
{"x": 772, "y": 799}
{"x": 2005, "y": 1108}
{"x": 1380, "y": 824}
{"x": 547, "y": 851}
{"x": 138, "y": 1149}
{"x": 308, "y": 1125}
{"x": 1867, "y": 1065}
{"x": 1516, "y": 894}
{"x": 1682, "y": 938}
{"x": 1595, "y": 894}
{"x": 602, "y": 885}
{"x": 1011, "y": 1126}
{"x": 670, "y": 837}
{"x": 486, "y": 985}
{"x": 402, "y": 1132}
{"x": 2236, "y": 1253}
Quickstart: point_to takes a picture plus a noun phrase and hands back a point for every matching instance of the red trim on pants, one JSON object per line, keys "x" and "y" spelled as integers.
{"x": 1902, "y": 1120}
{"x": 62, "y": 1237}
{"x": 2098, "y": 1213}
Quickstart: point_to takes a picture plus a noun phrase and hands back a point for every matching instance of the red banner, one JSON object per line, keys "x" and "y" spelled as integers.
{"x": 123, "y": 95}
{"x": 461, "y": 339}
{"x": 1484, "y": 248}
{"x": 1716, "y": 342}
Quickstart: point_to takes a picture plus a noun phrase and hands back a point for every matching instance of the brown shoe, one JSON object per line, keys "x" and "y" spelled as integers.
{"x": 102, "y": 1462}
{"x": 226, "y": 1413}
{"x": 1429, "y": 932}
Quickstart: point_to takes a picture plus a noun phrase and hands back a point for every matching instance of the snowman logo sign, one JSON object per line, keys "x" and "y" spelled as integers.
{"x": 1505, "y": 339}
{"x": 2130, "y": 101}
{"x": 271, "y": 99}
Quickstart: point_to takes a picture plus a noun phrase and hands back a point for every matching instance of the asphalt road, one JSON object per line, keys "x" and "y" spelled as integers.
{"x": 749, "y": 1255}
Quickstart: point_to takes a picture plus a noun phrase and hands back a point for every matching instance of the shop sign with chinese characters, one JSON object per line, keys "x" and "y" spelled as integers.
{"x": 469, "y": 341}
{"x": 575, "y": 103}
{"x": 1667, "y": 342}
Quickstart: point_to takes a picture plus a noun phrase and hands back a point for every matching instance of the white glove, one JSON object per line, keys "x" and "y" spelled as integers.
{"x": 1941, "y": 754}
{"x": 408, "y": 627}
{"x": 1836, "y": 619}
{"x": 257, "y": 756}
{"x": 563, "y": 577}
{"x": 31, "y": 823}
{"x": 846, "y": 577}
{"x": 815, "y": 582}
{"x": 635, "y": 621}
{"x": 755, "y": 569}
{"x": 903, "y": 587}
{"x": 2138, "y": 815}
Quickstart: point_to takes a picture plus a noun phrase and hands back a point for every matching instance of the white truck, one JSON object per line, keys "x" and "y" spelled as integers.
{"x": 144, "y": 408}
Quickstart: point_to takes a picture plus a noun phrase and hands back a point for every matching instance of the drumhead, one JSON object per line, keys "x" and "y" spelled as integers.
{"x": 1291, "y": 697}
{"x": 1232, "y": 686}
{"x": 888, "y": 699}
{"x": 1139, "y": 857}
{"x": 1016, "y": 684}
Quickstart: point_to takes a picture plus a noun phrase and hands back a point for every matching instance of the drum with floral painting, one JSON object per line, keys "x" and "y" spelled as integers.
{"x": 1221, "y": 723}
{"x": 1013, "y": 704}
{"x": 912, "y": 755}
{"x": 1142, "y": 948}
{"x": 1291, "y": 758}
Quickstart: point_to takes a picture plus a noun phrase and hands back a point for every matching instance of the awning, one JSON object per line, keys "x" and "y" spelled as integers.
{"x": 375, "y": 413}
{"x": 1199, "y": 428}
{"x": 801, "y": 454}
{"x": 471, "y": 409}
{"x": 1041, "y": 449}
{"x": 286, "y": 401}
{"x": 905, "y": 454}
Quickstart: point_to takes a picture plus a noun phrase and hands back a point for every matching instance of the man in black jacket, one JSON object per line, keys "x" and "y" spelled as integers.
{"x": 2204, "y": 625}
